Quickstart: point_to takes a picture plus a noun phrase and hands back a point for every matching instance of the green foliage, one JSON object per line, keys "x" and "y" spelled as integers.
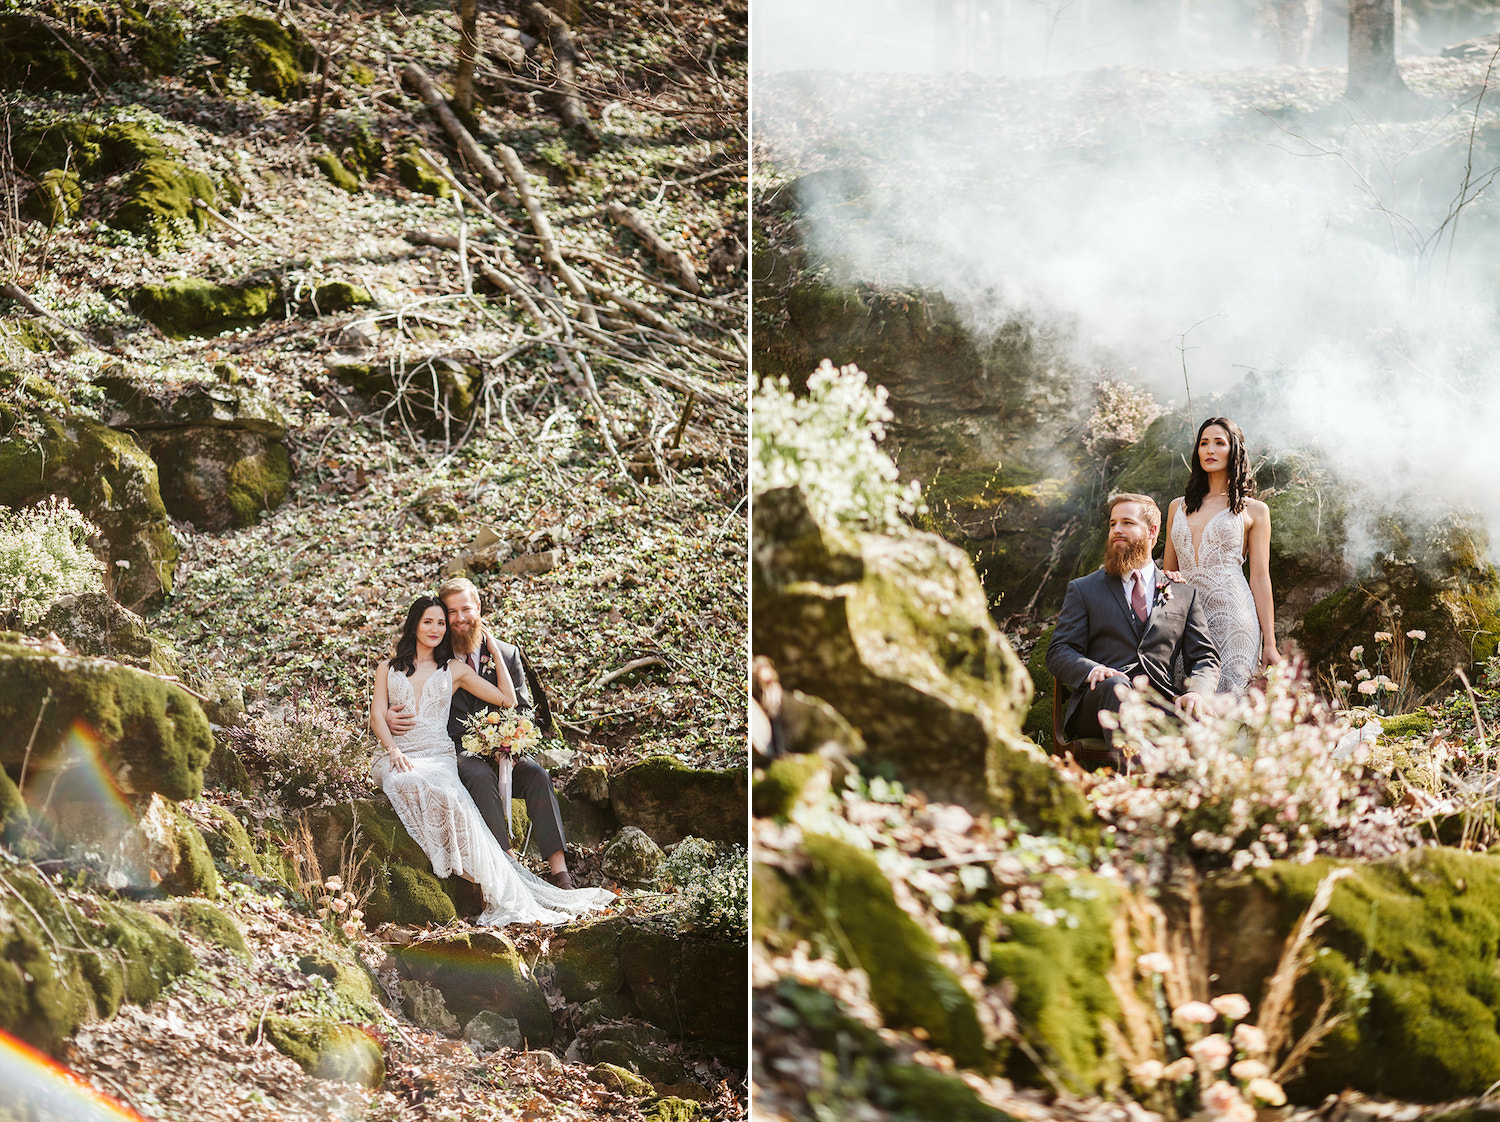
{"x": 828, "y": 445}
{"x": 44, "y": 555}
{"x": 339, "y": 175}
{"x": 714, "y": 883}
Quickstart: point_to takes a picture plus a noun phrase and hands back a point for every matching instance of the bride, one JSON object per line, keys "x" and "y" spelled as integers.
{"x": 420, "y": 775}
{"x": 1210, "y": 532}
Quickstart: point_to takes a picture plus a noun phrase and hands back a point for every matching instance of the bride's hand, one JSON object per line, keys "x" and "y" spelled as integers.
{"x": 399, "y": 762}
{"x": 1270, "y": 655}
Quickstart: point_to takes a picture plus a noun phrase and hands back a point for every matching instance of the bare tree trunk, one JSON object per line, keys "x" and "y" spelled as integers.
{"x": 1296, "y": 22}
{"x": 1373, "y": 76}
{"x": 468, "y": 51}
{"x": 550, "y": 27}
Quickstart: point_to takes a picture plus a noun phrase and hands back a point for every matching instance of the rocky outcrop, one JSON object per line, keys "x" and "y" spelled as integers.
{"x": 60, "y": 711}
{"x": 895, "y": 634}
{"x": 670, "y": 801}
{"x": 1409, "y": 950}
{"x": 114, "y": 953}
{"x": 218, "y": 446}
{"x": 94, "y": 624}
{"x": 47, "y": 450}
{"x": 480, "y": 971}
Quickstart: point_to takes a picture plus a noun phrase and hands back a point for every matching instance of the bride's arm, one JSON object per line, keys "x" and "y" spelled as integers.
{"x": 377, "y": 722}
{"x": 1259, "y": 548}
{"x": 1168, "y": 550}
{"x": 466, "y": 679}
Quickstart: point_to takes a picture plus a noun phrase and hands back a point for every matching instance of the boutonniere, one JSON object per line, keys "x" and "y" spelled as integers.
{"x": 1163, "y": 593}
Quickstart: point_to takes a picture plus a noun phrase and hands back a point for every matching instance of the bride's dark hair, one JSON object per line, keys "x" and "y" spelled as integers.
{"x": 1241, "y": 482}
{"x": 405, "y": 658}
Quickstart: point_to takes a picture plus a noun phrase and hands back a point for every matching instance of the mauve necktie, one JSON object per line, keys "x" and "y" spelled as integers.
{"x": 1138, "y": 597}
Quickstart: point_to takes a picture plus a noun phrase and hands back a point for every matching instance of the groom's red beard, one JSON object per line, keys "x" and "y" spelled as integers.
{"x": 463, "y": 642}
{"x": 1120, "y": 558}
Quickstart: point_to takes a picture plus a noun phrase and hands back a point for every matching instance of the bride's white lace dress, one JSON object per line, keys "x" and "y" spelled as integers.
{"x": 1216, "y": 571}
{"x": 438, "y": 812}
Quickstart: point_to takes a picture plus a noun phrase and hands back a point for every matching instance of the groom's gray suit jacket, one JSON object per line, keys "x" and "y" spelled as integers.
{"x": 1096, "y": 627}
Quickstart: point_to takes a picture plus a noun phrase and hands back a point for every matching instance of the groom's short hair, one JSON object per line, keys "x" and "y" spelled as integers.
{"x": 1149, "y": 510}
{"x": 454, "y": 585}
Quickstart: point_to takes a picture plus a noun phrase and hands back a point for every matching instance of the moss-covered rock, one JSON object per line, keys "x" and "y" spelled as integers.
{"x": 55, "y": 198}
{"x": 41, "y": 56}
{"x": 416, "y": 174}
{"x": 1058, "y": 971}
{"x": 92, "y": 623}
{"x": 326, "y": 1049}
{"x": 219, "y": 478}
{"x": 437, "y": 388}
{"x": 345, "y": 974}
{"x": 788, "y": 781}
{"x": 109, "y": 478}
{"x": 339, "y": 296}
{"x": 15, "y": 818}
{"x": 218, "y": 401}
{"x": 690, "y": 986}
{"x": 670, "y": 801}
{"x": 894, "y": 632}
{"x": 481, "y": 970}
{"x": 270, "y": 58}
{"x": 586, "y": 959}
{"x": 620, "y": 1079}
{"x": 160, "y": 193}
{"x": 405, "y": 889}
{"x": 47, "y": 988}
{"x": 207, "y": 922}
{"x": 193, "y": 306}
{"x": 229, "y": 842}
{"x": 340, "y": 176}
{"x": 842, "y": 902}
{"x": 631, "y": 857}
{"x": 148, "y": 734}
{"x": 638, "y": 1049}
{"x": 1409, "y": 952}
{"x": 93, "y": 148}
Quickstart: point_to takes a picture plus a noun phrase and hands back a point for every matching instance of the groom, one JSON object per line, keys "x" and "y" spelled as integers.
{"x": 1129, "y": 619}
{"x": 529, "y": 780}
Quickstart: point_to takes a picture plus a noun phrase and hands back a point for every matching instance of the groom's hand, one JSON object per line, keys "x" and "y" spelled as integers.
{"x": 399, "y": 721}
{"x": 1101, "y": 672}
{"x": 1190, "y": 704}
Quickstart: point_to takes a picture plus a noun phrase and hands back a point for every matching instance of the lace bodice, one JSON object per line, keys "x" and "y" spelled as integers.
{"x": 431, "y": 729}
{"x": 1216, "y": 570}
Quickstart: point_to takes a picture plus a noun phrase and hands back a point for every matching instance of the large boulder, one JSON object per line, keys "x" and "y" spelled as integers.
{"x": 92, "y": 623}
{"x": 895, "y": 634}
{"x": 136, "y": 844}
{"x": 66, "y": 712}
{"x": 586, "y": 959}
{"x": 1408, "y": 950}
{"x": 406, "y": 891}
{"x": 193, "y": 306}
{"x": 106, "y": 475}
{"x": 326, "y": 1049}
{"x": 631, "y": 857}
{"x": 478, "y": 971}
{"x": 670, "y": 801}
{"x": 113, "y": 953}
{"x": 690, "y": 986}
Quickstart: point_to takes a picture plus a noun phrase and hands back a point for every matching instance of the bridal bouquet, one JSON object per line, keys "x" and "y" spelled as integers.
{"x": 497, "y": 735}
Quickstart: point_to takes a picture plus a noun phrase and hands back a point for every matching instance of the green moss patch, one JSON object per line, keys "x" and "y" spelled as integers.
{"x": 271, "y": 59}
{"x": 39, "y": 56}
{"x": 1059, "y": 969}
{"x": 845, "y": 904}
{"x": 481, "y": 970}
{"x": 340, "y": 176}
{"x": 193, "y": 306}
{"x": 405, "y": 889}
{"x": 339, "y": 296}
{"x": 151, "y": 735}
{"x": 159, "y": 193}
{"x": 1410, "y": 946}
{"x": 56, "y": 198}
{"x": 587, "y": 963}
{"x": 207, "y": 922}
{"x": 327, "y": 1049}
{"x": 671, "y": 801}
{"x": 416, "y": 174}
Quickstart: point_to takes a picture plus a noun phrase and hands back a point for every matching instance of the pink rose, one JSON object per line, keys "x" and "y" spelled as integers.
{"x": 1194, "y": 1013}
{"x": 1212, "y": 1052}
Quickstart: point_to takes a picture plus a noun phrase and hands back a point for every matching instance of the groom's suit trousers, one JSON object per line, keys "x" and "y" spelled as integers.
{"x": 529, "y": 781}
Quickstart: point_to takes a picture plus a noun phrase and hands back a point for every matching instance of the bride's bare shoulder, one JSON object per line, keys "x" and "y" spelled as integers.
{"x": 1258, "y": 509}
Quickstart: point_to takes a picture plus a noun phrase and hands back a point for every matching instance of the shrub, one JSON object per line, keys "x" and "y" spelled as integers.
{"x": 1260, "y": 780}
{"x": 44, "y": 555}
{"x": 1120, "y": 416}
{"x": 714, "y": 884}
{"x": 828, "y": 445}
{"x": 304, "y": 751}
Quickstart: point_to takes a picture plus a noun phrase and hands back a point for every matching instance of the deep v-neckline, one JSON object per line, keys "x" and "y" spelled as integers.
{"x": 1196, "y": 542}
{"x": 420, "y": 695}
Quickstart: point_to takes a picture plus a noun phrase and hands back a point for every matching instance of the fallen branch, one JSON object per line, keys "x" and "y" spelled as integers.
{"x": 543, "y": 229}
{"x": 674, "y": 259}
{"x": 461, "y": 136}
{"x": 474, "y": 200}
{"x": 656, "y": 282}
{"x": 241, "y": 231}
{"x": 559, "y": 36}
{"x": 12, "y": 291}
{"x": 634, "y": 664}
